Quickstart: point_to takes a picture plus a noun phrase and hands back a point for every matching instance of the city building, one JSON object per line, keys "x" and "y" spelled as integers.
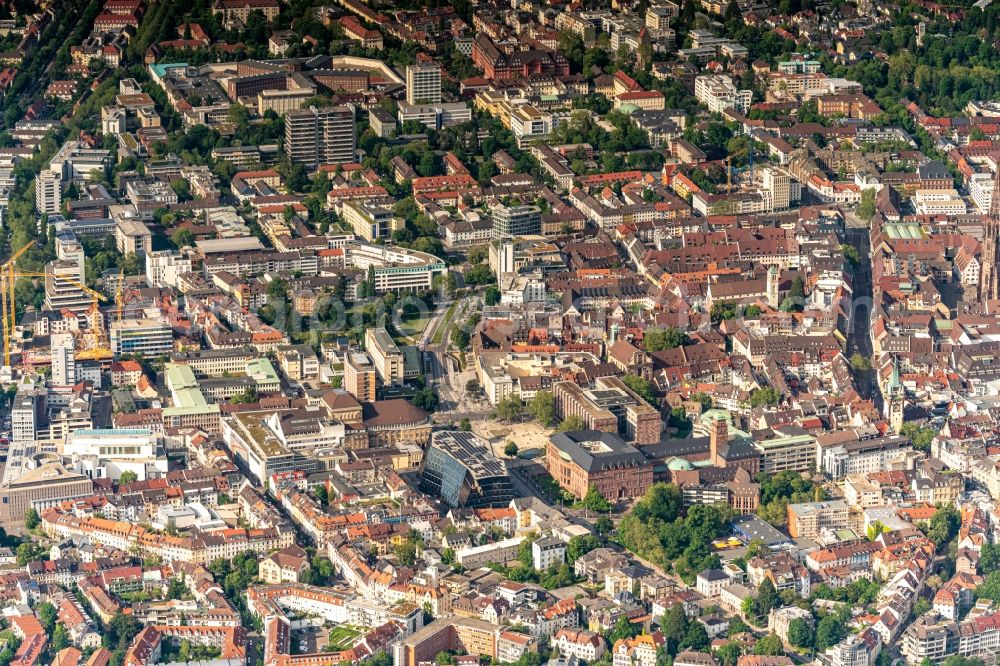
{"x": 149, "y": 337}
{"x": 389, "y": 362}
{"x": 513, "y": 221}
{"x": 48, "y": 192}
{"x": 359, "y": 376}
{"x": 423, "y": 82}
{"x": 584, "y": 459}
{"x": 459, "y": 468}
{"x": 316, "y": 136}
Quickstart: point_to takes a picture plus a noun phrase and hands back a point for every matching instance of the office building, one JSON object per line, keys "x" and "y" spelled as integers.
{"x": 63, "y": 353}
{"x": 62, "y": 287}
{"x": 40, "y": 488}
{"x": 776, "y": 188}
{"x": 609, "y": 407}
{"x": 26, "y": 415}
{"x": 150, "y": 337}
{"x": 807, "y": 520}
{"x": 423, "y": 82}
{"x": 369, "y": 221}
{"x": 359, "y": 376}
{"x": 48, "y": 192}
{"x": 459, "y": 468}
{"x": 586, "y": 459}
{"x": 320, "y": 136}
{"x": 389, "y": 362}
{"x": 395, "y": 268}
{"x": 108, "y": 452}
{"x": 511, "y": 221}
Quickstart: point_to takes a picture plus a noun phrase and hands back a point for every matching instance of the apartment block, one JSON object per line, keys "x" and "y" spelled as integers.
{"x": 317, "y": 136}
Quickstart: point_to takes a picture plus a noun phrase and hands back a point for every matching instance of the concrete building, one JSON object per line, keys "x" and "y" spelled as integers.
{"x": 718, "y": 93}
{"x": 359, "y": 376}
{"x": 316, "y": 136}
{"x": 808, "y": 519}
{"x": 369, "y": 221}
{"x": 150, "y": 337}
{"x": 44, "y": 486}
{"x": 61, "y": 287}
{"x": 164, "y": 267}
{"x": 461, "y": 634}
{"x": 388, "y": 360}
{"x": 423, "y": 82}
{"x": 48, "y": 192}
{"x": 512, "y": 221}
{"x": 108, "y": 453}
{"x": 62, "y": 349}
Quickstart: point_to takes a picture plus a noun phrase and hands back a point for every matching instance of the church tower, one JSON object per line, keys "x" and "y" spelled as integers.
{"x": 895, "y": 399}
{"x": 773, "y": 278}
{"x": 989, "y": 280}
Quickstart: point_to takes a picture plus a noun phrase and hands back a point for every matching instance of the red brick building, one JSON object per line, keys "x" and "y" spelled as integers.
{"x": 584, "y": 458}
{"x": 497, "y": 64}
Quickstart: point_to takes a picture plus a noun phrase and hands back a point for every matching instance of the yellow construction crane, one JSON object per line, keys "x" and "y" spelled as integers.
{"x": 7, "y": 296}
{"x": 98, "y": 348}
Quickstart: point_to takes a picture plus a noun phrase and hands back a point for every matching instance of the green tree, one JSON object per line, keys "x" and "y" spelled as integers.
{"x": 127, "y": 476}
{"x": 47, "y": 615}
{"x": 510, "y": 450}
{"x": 765, "y": 396}
{"x": 829, "y": 632}
{"x": 426, "y": 399}
{"x": 922, "y": 437}
{"x": 642, "y": 387}
{"x": 509, "y": 409}
{"x": 543, "y": 408}
{"x": 31, "y": 519}
{"x": 658, "y": 339}
{"x": 866, "y": 209}
{"x": 604, "y": 525}
{"x": 622, "y": 629}
{"x": 595, "y": 501}
{"x": 571, "y": 424}
{"x": 60, "y": 638}
{"x": 801, "y": 633}
{"x": 460, "y": 338}
{"x": 769, "y": 645}
{"x": 406, "y": 552}
{"x": 860, "y": 363}
{"x": 492, "y": 295}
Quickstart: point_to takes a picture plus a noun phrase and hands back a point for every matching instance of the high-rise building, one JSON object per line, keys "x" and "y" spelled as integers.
{"x": 26, "y": 415}
{"x": 777, "y": 189}
{"x": 63, "y": 353}
{"x": 48, "y": 192}
{"x": 359, "y": 376}
{"x": 423, "y": 82}
{"x": 511, "y": 221}
{"x": 320, "y": 136}
{"x": 61, "y": 290}
{"x": 388, "y": 360}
